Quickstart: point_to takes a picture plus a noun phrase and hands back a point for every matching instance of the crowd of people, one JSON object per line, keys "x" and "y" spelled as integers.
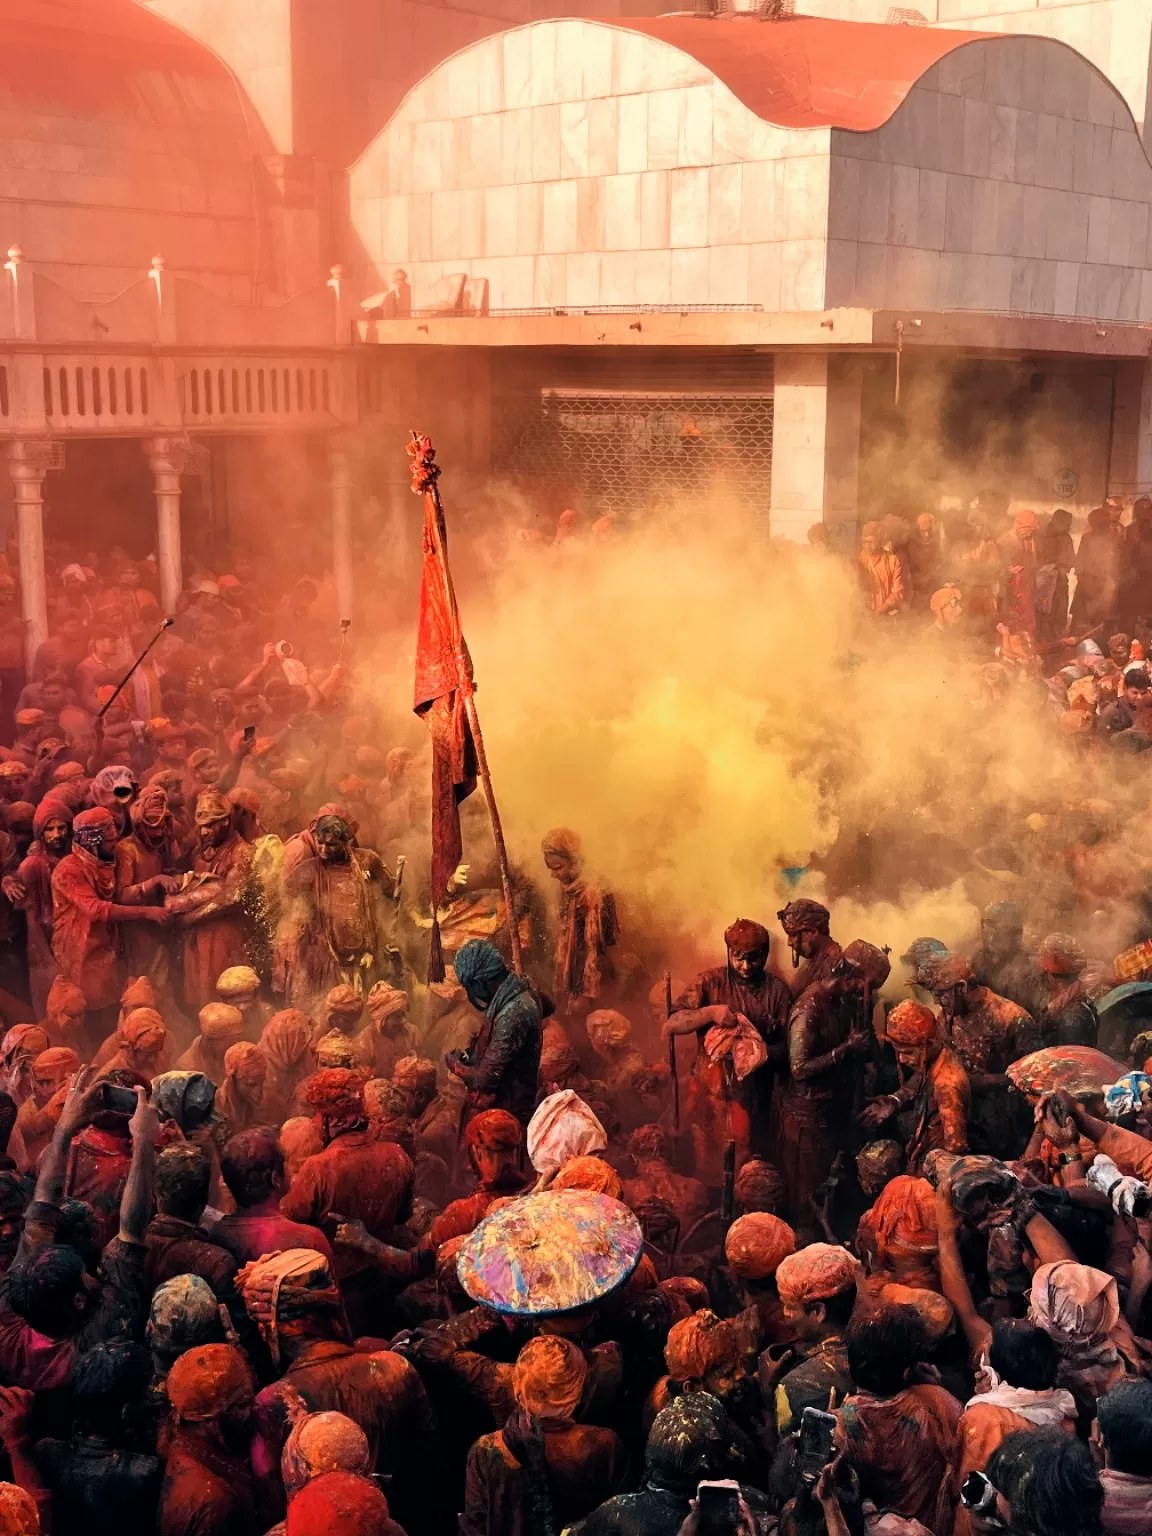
{"x": 294, "y": 1239}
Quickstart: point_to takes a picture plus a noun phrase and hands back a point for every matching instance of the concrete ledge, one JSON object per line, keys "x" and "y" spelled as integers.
{"x": 824, "y": 330}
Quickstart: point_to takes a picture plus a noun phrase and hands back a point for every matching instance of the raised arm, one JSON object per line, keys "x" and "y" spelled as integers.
{"x": 136, "y": 1201}
{"x": 953, "y": 1281}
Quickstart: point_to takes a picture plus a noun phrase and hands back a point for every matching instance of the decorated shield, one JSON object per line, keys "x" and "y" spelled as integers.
{"x": 551, "y": 1252}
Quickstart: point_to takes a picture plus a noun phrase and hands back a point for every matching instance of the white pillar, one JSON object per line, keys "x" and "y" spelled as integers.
{"x": 27, "y": 464}
{"x": 815, "y": 441}
{"x": 168, "y": 458}
{"x": 340, "y": 482}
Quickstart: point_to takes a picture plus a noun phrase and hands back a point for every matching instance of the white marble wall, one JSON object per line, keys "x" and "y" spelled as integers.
{"x": 1011, "y": 178}
{"x": 575, "y": 163}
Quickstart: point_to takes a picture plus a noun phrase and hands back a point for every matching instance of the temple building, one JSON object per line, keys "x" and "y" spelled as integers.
{"x": 814, "y": 262}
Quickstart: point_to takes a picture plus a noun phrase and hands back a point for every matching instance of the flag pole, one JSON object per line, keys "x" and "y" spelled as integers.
{"x": 425, "y": 473}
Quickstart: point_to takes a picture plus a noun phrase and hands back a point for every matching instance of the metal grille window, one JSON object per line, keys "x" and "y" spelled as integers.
{"x": 628, "y": 452}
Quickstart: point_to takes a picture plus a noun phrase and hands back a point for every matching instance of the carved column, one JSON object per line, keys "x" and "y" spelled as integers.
{"x": 340, "y": 483}
{"x": 28, "y": 463}
{"x": 168, "y": 458}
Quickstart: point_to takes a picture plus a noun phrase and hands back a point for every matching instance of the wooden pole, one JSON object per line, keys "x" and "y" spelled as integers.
{"x": 123, "y": 683}
{"x": 467, "y": 689}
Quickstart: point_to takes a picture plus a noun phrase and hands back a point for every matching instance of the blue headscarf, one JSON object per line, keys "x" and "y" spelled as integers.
{"x": 478, "y": 962}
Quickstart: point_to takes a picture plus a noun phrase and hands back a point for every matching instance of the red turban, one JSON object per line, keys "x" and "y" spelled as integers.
{"x": 872, "y": 963}
{"x": 816, "y": 1273}
{"x": 337, "y": 1093}
{"x": 756, "y": 1244}
{"x": 745, "y": 937}
{"x": 340, "y": 1504}
{"x": 494, "y": 1130}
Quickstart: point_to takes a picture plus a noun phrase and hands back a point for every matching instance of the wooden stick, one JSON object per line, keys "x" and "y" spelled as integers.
{"x": 672, "y": 1054}
{"x": 467, "y": 689}
{"x": 167, "y": 624}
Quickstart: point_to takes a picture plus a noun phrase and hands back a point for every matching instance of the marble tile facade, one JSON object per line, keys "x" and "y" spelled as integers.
{"x": 605, "y": 168}
{"x": 574, "y": 163}
{"x": 1011, "y": 178}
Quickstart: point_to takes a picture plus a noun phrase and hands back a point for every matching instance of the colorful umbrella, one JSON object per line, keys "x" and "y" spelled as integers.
{"x": 551, "y": 1252}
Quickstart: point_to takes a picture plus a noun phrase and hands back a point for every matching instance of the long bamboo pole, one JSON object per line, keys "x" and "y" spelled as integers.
{"x": 426, "y": 472}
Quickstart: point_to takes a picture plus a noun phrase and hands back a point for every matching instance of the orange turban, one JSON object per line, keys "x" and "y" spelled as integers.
{"x": 139, "y": 993}
{"x": 415, "y": 1073}
{"x": 142, "y": 1030}
{"x": 208, "y": 1381}
{"x": 300, "y": 1139}
{"x": 911, "y": 1023}
{"x": 221, "y": 1022}
{"x": 345, "y": 1002}
{"x": 57, "y": 1058}
{"x": 590, "y": 1173}
{"x": 323, "y": 1442}
{"x": 756, "y": 1244}
{"x": 333, "y": 1050}
{"x": 65, "y": 994}
{"x": 286, "y": 1038}
{"x": 245, "y": 1054}
{"x": 943, "y": 597}
{"x": 548, "y": 1378}
{"x": 290, "y": 1293}
{"x": 18, "y": 1513}
{"x": 237, "y": 981}
{"x": 904, "y": 1217}
{"x": 495, "y": 1130}
{"x": 20, "y": 1047}
{"x": 699, "y": 1344}
{"x": 384, "y": 1001}
{"x": 608, "y": 1030}
{"x": 820, "y": 1271}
